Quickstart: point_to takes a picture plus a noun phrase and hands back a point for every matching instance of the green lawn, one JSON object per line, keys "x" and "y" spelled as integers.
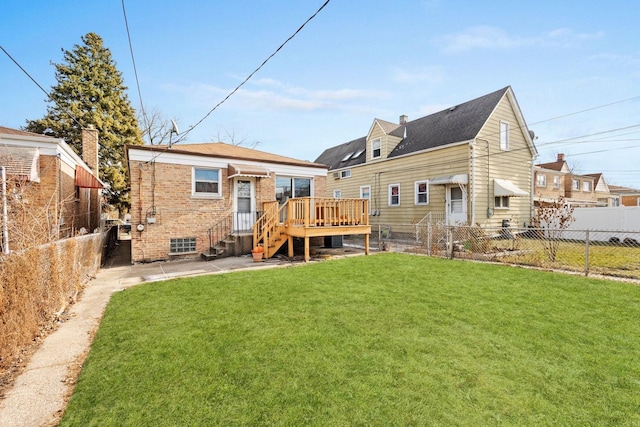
{"x": 388, "y": 339}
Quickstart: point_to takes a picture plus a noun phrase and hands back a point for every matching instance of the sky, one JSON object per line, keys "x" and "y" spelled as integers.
{"x": 574, "y": 67}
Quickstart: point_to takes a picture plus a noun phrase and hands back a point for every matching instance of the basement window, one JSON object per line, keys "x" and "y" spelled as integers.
{"x": 182, "y": 245}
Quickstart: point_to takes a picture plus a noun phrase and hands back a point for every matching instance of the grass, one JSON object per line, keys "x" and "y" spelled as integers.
{"x": 614, "y": 260}
{"x": 389, "y": 339}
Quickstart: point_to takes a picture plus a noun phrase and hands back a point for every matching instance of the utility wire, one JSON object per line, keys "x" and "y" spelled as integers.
{"x": 41, "y": 88}
{"x": 184, "y": 134}
{"x": 135, "y": 70}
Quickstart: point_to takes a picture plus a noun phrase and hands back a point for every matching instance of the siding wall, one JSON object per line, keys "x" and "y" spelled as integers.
{"x": 514, "y": 165}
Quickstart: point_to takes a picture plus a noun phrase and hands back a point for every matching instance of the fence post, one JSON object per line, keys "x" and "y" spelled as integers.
{"x": 450, "y": 240}
{"x": 586, "y": 254}
{"x": 379, "y": 238}
{"x": 429, "y": 238}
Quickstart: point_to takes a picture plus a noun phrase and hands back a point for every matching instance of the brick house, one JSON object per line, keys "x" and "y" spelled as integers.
{"x": 46, "y": 178}
{"x": 555, "y": 179}
{"x": 627, "y": 196}
{"x": 188, "y": 198}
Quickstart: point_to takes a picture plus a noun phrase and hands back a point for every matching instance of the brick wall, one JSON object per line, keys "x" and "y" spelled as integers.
{"x": 177, "y": 213}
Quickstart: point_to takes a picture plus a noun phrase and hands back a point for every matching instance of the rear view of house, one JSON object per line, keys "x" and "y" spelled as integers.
{"x": 468, "y": 164}
{"x": 186, "y": 199}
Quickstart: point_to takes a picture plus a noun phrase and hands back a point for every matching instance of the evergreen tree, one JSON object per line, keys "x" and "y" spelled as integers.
{"x": 91, "y": 91}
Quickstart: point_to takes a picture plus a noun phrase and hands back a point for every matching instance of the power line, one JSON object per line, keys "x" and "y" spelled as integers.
{"x": 184, "y": 134}
{"x": 41, "y": 88}
{"x": 135, "y": 70}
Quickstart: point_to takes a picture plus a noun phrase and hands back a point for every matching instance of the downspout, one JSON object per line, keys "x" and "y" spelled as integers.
{"x": 473, "y": 182}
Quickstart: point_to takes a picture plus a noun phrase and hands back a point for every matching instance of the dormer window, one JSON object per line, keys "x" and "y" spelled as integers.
{"x": 376, "y": 148}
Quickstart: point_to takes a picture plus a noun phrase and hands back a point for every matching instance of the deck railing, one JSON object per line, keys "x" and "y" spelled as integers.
{"x": 324, "y": 212}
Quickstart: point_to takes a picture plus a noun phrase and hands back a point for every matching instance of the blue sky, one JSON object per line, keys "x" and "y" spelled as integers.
{"x": 574, "y": 67}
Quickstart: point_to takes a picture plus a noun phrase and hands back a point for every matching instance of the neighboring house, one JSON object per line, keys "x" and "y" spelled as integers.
{"x": 601, "y": 188}
{"x": 555, "y": 179}
{"x": 188, "y": 199}
{"x": 45, "y": 175}
{"x": 469, "y": 164}
{"x": 627, "y": 196}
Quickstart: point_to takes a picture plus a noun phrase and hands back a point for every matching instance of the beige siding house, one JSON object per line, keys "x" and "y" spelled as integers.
{"x": 204, "y": 199}
{"x": 469, "y": 164}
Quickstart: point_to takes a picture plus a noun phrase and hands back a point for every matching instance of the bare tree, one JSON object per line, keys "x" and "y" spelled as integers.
{"x": 231, "y": 137}
{"x": 552, "y": 218}
{"x": 156, "y": 128}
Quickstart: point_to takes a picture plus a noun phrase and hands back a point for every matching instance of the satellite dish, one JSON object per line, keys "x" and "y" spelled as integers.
{"x": 174, "y": 127}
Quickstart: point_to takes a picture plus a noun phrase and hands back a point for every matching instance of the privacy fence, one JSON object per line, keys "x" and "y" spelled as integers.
{"x": 38, "y": 284}
{"x": 606, "y": 252}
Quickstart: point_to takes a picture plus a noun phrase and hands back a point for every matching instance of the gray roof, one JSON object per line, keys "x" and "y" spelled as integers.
{"x": 458, "y": 123}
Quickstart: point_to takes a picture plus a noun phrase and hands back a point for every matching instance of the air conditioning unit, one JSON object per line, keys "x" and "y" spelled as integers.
{"x": 336, "y": 175}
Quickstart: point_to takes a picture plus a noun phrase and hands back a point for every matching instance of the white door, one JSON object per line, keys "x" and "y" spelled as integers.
{"x": 244, "y": 209}
{"x": 456, "y": 205}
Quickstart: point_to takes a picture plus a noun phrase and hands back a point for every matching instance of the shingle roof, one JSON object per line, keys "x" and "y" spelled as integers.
{"x": 220, "y": 149}
{"x": 459, "y": 123}
{"x": 10, "y": 131}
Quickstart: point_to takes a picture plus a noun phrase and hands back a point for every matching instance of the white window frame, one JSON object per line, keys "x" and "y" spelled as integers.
{"x": 556, "y": 181}
{"x": 337, "y": 194}
{"x": 376, "y": 142}
{"x": 204, "y": 194}
{"x": 586, "y": 186}
{"x": 346, "y": 173}
{"x": 504, "y": 136}
{"x": 541, "y": 180}
{"x": 501, "y": 202}
{"x": 368, "y": 192}
{"x": 575, "y": 184}
{"x": 417, "y": 193}
{"x": 391, "y": 186}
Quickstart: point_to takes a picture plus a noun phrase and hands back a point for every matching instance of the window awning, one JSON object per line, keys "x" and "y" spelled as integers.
{"x": 461, "y": 178}
{"x": 21, "y": 162}
{"x": 247, "y": 170}
{"x": 84, "y": 179}
{"x": 504, "y": 187}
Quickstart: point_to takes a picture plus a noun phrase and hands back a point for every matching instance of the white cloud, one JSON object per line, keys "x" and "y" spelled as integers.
{"x": 489, "y": 37}
{"x": 419, "y": 75}
{"x": 275, "y": 95}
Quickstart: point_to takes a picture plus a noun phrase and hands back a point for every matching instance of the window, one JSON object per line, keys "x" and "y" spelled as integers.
{"x": 206, "y": 182}
{"x": 347, "y": 157}
{"x": 556, "y": 182}
{"x": 422, "y": 193}
{"x": 365, "y": 193}
{"x": 586, "y": 186}
{"x": 394, "y": 195}
{"x": 337, "y": 194}
{"x": 288, "y": 187}
{"x": 501, "y": 202}
{"x": 376, "y": 145}
{"x": 504, "y": 136}
{"x": 541, "y": 180}
{"x": 182, "y": 245}
{"x": 575, "y": 184}
{"x": 345, "y": 173}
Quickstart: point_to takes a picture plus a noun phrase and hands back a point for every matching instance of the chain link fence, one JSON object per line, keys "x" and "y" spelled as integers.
{"x": 604, "y": 252}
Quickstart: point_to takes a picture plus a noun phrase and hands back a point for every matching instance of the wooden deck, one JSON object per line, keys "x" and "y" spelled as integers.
{"x": 310, "y": 217}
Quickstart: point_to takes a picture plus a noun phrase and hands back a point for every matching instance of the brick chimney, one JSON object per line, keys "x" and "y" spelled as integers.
{"x": 404, "y": 119}
{"x": 90, "y": 148}
{"x": 561, "y": 157}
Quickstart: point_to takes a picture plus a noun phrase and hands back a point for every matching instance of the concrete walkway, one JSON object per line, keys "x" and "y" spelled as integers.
{"x": 38, "y": 396}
